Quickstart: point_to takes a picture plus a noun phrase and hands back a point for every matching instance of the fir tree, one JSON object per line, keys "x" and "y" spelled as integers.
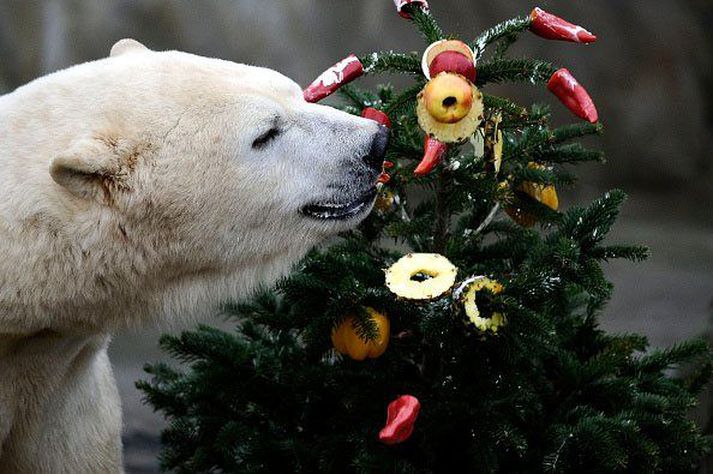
{"x": 548, "y": 392}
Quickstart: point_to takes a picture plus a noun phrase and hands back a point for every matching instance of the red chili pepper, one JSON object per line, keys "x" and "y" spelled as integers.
{"x": 573, "y": 95}
{"x": 384, "y": 177}
{"x": 344, "y": 72}
{"x": 433, "y": 154}
{"x": 388, "y": 164}
{"x": 553, "y": 27}
{"x": 400, "y": 4}
{"x": 377, "y": 116}
{"x": 402, "y": 414}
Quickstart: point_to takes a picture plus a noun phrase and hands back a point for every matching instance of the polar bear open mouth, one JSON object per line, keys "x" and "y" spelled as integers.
{"x": 340, "y": 211}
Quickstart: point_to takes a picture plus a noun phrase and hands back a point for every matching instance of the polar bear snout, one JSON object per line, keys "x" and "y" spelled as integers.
{"x": 375, "y": 158}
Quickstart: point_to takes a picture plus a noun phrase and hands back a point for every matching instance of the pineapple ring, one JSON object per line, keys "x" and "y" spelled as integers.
{"x": 467, "y": 293}
{"x": 440, "y": 271}
{"x": 451, "y": 132}
{"x": 498, "y": 151}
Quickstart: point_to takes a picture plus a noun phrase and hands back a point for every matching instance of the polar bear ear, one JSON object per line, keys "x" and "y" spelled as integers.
{"x": 94, "y": 168}
{"x": 126, "y": 45}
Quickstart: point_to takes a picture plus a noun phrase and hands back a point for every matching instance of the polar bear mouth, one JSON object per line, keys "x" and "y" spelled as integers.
{"x": 328, "y": 211}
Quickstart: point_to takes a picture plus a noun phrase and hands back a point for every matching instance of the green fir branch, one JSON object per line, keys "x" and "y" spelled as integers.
{"x": 589, "y": 226}
{"x": 534, "y": 71}
{"x": 577, "y": 130}
{"x": 426, "y": 24}
{"x": 507, "y": 106}
{"x": 634, "y": 253}
{"x": 675, "y": 355}
{"x": 572, "y": 153}
{"x": 506, "y": 30}
{"x": 407, "y": 98}
{"x": 357, "y": 97}
{"x": 391, "y": 62}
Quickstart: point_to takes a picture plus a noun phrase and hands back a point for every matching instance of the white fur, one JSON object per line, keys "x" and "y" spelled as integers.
{"x": 130, "y": 193}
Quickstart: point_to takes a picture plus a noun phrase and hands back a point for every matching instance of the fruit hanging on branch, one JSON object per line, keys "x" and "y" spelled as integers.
{"x": 347, "y": 341}
{"x": 377, "y": 116}
{"x": 549, "y": 26}
{"x": 344, "y": 72}
{"x": 401, "y": 419}
{"x": 386, "y": 201}
{"x": 449, "y": 107}
{"x": 402, "y": 7}
{"x": 433, "y": 153}
{"x": 421, "y": 276}
{"x": 449, "y": 56}
{"x": 541, "y": 193}
{"x": 489, "y": 142}
{"x": 382, "y": 119}
{"x": 571, "y": 93}
{"x": 476, "y": 296}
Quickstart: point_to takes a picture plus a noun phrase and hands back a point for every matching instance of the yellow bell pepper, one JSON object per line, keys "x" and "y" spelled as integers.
{"x": 544, "y": 194}
{"x": 347, "y": 342}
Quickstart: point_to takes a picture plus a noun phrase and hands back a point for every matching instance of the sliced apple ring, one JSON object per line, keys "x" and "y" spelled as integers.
{"x": 451, "y": 132}
{"x": 441, "y": 46}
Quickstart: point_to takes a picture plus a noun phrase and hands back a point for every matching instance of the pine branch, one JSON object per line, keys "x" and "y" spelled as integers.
{"x": 577, "y": 130}
{"x": 590, "y": 226}
{"x": 443, "y": 213}
{"x": 678, "y": 354}
{"x": 543, "y": 176}
{"x": 507, "y": 106}
{"x": 405, "y": 99}
{"x": 427, "y": 25}
{"x": 359, "y": 98}
{"x": 633, "y": 253}
{"x": 574, "y": 153}
{"x": 505, "y": 30}
{"x": 388, "y": 61}
{"x": 498, "y": 71}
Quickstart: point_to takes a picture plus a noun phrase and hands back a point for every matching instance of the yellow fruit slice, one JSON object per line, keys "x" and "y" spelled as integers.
{"x": 468, "y": 292}
{"x": 421, "y": 276}
{"x": 451, "y": 132}
{"x": 347, "y": 341}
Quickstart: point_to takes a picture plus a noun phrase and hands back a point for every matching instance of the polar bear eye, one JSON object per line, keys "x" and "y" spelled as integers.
{"x": 267, "y": 137}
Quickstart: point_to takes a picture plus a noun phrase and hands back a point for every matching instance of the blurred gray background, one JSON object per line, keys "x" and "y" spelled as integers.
{"x": 650, "y": 73}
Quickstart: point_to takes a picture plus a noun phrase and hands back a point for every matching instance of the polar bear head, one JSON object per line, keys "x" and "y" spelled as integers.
{"x": 180, "y": 180}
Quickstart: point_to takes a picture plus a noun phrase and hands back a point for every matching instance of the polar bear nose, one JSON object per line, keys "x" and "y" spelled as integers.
{"x": 375, "y": 158}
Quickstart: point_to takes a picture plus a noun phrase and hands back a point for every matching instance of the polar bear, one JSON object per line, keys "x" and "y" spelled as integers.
{"x": 145, "y": 187}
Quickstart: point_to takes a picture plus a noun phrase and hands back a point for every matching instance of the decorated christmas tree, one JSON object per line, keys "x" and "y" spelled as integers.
{"x": 456, "y": 329}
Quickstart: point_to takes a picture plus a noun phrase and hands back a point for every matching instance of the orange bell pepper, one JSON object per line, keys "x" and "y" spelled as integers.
{"x": 347, "y": 342}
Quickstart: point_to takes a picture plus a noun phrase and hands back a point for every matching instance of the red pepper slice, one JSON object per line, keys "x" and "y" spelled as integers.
{"x": 552, "y": 27}
{"x": 384, "y": 177}
{"x": 377, "y": 116}
{"x": 434, "y": 151}
{"x": 400, "y": 4}
{"x": 573, "y": 95}
{"x": 344, "y": 72}
{"x": 400, "y": 420}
